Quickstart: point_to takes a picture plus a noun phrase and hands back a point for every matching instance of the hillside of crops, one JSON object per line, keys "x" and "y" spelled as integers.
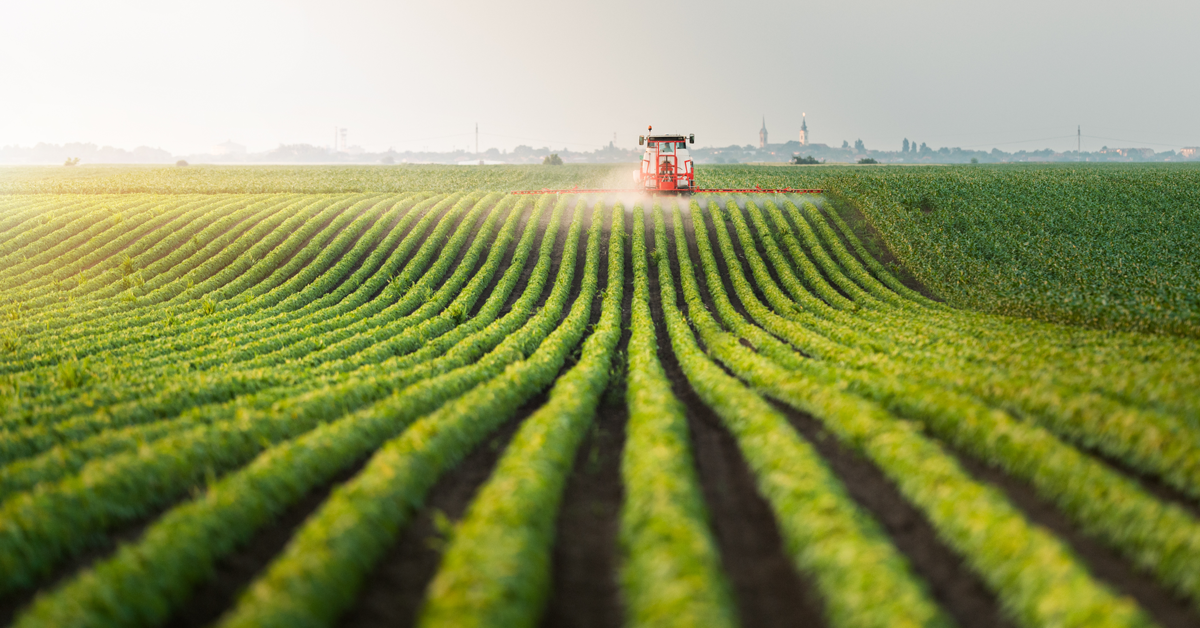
{"x": 436, "y": 403}
{"x": 1097, "y": 245}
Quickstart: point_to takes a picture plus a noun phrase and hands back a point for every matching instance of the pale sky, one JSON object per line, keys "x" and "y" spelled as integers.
{"x": 183, "y": 76}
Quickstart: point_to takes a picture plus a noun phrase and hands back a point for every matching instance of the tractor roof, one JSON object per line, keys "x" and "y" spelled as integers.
{"x": 677, "y": 138}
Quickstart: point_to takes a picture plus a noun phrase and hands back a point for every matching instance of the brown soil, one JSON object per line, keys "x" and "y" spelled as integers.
{"x": 956, "y": 588}
{"x": 585, "y": 590}
{"x": 1105, "y": 564}
{"x": 766, "y": 584}
{"x": 394, "y": 591}
{"x": 737, "y": 244}
{"x": 100, "y": 549}
{"x": 236, "y": 571}
{"x": 1149, "y": 483}
{"x": 506, "y": 261}
{"x": 767, "y": 588}
{"x": 395, "y": 588}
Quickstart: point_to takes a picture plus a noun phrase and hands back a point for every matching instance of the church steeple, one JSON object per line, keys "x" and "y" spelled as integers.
{"x": 803, "y": 130}
{"x": 762, "y": 134}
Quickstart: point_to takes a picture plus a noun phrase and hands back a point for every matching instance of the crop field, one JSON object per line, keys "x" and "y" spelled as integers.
{"x": 404, "y": 396}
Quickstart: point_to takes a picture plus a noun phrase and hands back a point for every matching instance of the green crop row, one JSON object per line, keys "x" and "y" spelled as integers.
{"x": 1034, "y": 574}
{"x": 66, "y": 248}
{"x": 1162, "y": 539}
{"x": 672, "y": 570}
{"x": 825, "y": 533}
{"x": 120, "y": 487}
{"x": 150, "y": 354}
{"x": 67, "y": 458}
{"x": 239, "y": 331}
{"x": 496, "y": 569}
{"x": 1097, "y": 245}
{"x": 1090, "y": 419}
{"x": 144, "y": 582}
{"x": 1139, "y": 370}
{"x": 44, "y": 435}
{"x": 147, "y": 258}
{"x": 209, "y": 179}
{"x": 364, "y": 515}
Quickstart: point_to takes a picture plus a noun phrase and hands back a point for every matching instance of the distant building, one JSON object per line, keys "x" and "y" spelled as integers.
{"x": 762, "y": 134}
{"x": 228, "y": 148}
{"x": 803, "y": 130}
{"x": 1189, "y": 151}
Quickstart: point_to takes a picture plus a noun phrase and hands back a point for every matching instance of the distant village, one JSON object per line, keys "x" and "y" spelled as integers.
{"x": 799, "y": 150}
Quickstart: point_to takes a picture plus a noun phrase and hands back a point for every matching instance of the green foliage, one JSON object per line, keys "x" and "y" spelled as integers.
{"x": 1103, "y": 246}
{"x": 496, "y": 571}
{"x": 672, "y": 571}
{"x": 395, "y": 481}
{"x": 826, "y": 533}
{"x": 979, "y": 522}
{"x": 208, "y": 179}
{"x": 202, "y": 362}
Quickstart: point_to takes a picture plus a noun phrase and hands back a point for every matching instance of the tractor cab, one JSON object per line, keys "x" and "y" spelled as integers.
{"x": 666, "y": 164}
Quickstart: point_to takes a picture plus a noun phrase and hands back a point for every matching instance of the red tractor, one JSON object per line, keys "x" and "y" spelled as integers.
{"x": 667, "y": 168}
{"x": 666, "y": 165}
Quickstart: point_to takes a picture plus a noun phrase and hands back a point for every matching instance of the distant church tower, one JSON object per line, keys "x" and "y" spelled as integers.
{"x": 762, "y": 134}
{"x": 803, "y": 131}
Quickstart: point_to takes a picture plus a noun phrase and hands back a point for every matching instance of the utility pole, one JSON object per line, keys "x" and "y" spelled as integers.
{"x": 1078, "y": 138}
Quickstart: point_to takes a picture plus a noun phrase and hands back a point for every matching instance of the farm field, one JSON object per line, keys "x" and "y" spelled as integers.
{"x": 403, "y": 396}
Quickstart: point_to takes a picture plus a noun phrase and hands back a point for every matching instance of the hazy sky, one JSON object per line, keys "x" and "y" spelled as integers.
{"x": 186, "y": 75}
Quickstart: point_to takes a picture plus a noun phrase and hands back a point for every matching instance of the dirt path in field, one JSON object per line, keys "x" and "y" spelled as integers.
{"x": 394, "y": 590}
{"x": 585, "y": 589}
{"x": 237, "y": 571}
{"x": 16, "y": 601}
{"x": 955, "y": 587}
{"x": 1105, "y": 564}
{"x": 767, "y": 588}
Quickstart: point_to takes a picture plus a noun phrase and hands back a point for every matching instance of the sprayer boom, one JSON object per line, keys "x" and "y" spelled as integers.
{"x": 667, "y": 168}
{"x": 754, "y": 190}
